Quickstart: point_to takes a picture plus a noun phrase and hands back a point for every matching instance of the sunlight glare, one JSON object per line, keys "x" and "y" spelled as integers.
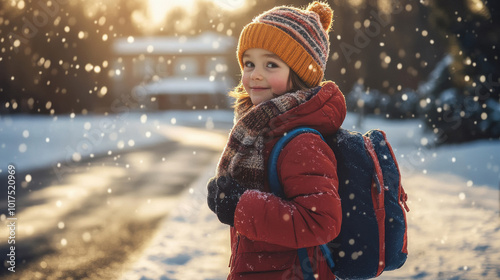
{"x": 230, "y": 5}
{"x": 158, "y": 9}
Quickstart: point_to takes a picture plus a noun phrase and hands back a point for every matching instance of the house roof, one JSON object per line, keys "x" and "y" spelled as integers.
{"x": 205, "y": 43}
{"x": 187, "y": 85}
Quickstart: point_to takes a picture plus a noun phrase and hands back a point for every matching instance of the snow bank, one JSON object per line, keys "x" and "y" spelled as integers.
{"x": 477, "y": 161}
{"x": 32, "y": 142}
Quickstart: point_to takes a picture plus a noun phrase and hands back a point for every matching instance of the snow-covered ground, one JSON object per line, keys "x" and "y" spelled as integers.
{"x": 454, "y": 222}
{"x": 190, "y": 244}
{"x": 32, "y": 142}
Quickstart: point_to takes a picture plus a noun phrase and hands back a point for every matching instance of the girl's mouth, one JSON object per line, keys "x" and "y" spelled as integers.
{"x": 258, "y": 88}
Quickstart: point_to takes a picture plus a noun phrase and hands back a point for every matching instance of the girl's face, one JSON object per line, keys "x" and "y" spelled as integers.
{"x": 265, "y": 75}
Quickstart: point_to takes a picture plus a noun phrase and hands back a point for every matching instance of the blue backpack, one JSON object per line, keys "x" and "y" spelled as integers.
{"x": 373, "y": 236}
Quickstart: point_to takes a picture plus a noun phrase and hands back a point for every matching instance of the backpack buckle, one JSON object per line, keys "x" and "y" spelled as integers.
{"x": 403, "y": 198}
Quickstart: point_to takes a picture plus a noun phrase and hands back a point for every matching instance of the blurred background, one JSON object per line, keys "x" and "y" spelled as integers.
{"x": 436, "y": 60}
{"x": 111, "y": 109}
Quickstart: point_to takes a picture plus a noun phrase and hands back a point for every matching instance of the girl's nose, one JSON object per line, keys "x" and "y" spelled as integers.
{"x": 256, "y": 75}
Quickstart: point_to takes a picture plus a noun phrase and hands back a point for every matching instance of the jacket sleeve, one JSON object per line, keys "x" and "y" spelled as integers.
{"x": 311, "y": 214}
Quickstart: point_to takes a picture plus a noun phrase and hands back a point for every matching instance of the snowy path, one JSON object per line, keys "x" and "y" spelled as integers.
{"x": 191, "y": 242}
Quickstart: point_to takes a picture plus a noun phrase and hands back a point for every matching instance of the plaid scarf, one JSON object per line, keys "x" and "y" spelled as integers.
{"x": 243, "y": 156}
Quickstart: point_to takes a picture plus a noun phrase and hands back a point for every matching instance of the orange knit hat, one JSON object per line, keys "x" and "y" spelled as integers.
{"x": 299, "y": 37}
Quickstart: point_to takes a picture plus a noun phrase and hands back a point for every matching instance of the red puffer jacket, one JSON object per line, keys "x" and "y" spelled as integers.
{"x": 268, "y": 230}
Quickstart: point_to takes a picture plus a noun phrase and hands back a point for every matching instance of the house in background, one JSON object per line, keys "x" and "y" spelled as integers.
{"x": 175, "y": 72}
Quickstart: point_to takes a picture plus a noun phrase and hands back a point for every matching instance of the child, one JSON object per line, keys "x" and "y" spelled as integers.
{"x": 282, "y": 54}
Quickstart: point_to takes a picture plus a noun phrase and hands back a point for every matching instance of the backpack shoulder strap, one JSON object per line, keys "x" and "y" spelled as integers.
{"x": 272, "y": 166}
{"x": 276, "y": 189}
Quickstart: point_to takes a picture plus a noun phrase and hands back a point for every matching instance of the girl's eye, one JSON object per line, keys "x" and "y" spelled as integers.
{"x": 272, "y": 65}
{"x": 248, "y": 64}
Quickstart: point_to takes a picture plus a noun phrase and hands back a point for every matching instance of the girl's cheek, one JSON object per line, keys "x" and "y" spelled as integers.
{"x": 244, "y": 80}
{"x": 279, "y": 85}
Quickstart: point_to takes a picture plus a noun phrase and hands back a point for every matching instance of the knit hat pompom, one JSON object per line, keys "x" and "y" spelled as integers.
{"x": 325, "y": 14}
{"x": 298, "y": 36}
